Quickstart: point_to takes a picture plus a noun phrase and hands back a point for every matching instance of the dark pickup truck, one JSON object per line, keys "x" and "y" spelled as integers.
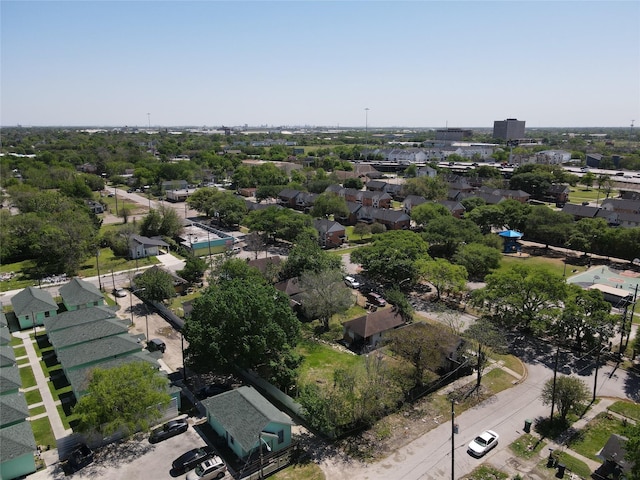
{"x": 80, "y": 457}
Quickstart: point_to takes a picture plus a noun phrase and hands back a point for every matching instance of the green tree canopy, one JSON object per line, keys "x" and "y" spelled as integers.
{"x": 329, "y": 203}
{"x": 478, "y": 259}
{"x": 155, "y": 284}
{"x": 427, "y": 187}
{"x": 127, "y": 398}
{"x": 242, "y": 323}
{"x": 391, "y": 257}
{"x": 308, "y": 256}
{"x": 570, "y": 393}
{"x": 278, "y": 223}
{"x": 425, "y": 212}
{"x": 324, "y": 294}
{"x": 446, "y": 277}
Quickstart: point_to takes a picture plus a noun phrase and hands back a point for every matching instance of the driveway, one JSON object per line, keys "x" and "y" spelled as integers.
{"x": 135, "y": 459}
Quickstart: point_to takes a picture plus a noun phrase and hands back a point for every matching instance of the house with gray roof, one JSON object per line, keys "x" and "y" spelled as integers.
{"x": 69, "y": 337}
{"x": 330, "y": 233}
{"x": 13, "y": 409}
{"x": 246, "y": 421}
{"x": 141, "y": 247}
{"x": 32, "y": 305}
{"x": 7, "y": 356}
{"x": 412, "y": 201}
{"x": 97, "y": 351}
{"x": 392, "y": 219}
{"x": 367, "y": 331}
{"x": 456, "y": 208}
{"x": 10, "y": 381}
{"x": 580, "y": 211}
{"x": 78, "y": 317}
{"x": 5, "y": 336}
{"x": 3, "y": 320}
{"x": 621, "y": 205}
{"x": 17, "y": 451}
{"x": 80, "y": 294}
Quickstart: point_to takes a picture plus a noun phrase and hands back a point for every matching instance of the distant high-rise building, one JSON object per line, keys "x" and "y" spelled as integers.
{"x": 453, "y": 134}
{"x": 509, "y": 129}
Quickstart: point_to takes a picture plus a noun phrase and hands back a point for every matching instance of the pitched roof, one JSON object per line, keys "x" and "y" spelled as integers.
{"x": 324, "y": 225}
{"x": 373, "y": 323}
{"x": 262, "y": 263}
{"x": 7, "y": 357}
{"x": 387, "y": 215}
{"x": 5, "y": 335}
{"x": 10, "y": 379}
{"x": 614, "y": 451}
{"x": 582, "y": 211}
{"x": 3, "y": 320}
{"x": 68, "y": 337}
{"x": 78, "y": 317}
{"x": 16, "y": 440}
{"x": 244, "y": 413}
{"x": 147, "y": 241}
{"x": 32, "y": 300}
{"x": 290, "y": 286}
{"x": 80, "y": 292}
{"x": 97, "y": 350}
{"x": 13, "y": 408}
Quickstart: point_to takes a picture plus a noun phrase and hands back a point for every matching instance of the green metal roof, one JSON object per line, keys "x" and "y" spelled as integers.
{"x": 244, "y": 413}
{"x": 78, "y": 317}
{"x": 101, "y": 349}
{"x": 32, "y": 300}
{"x": 68, "y": 337}
{"x": 80, "y": 292}
{"x": 13, "y": 408}
{"x": 16, "y": 441}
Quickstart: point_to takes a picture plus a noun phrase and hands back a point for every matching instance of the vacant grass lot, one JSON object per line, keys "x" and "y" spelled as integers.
{"x": 320, "y": 361}
{"x": 43, "y": 433}
{"x": 527, "y": 446}
{"x": 628, "y": 409}
{"x": 303, "y": 471}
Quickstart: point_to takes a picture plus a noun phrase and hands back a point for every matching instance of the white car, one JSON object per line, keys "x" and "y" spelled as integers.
{"x": 483, "y": 443}
{"x": 351, "y": 282}
{"x": 120, "y": 293}
{"x": 208, "y": 470}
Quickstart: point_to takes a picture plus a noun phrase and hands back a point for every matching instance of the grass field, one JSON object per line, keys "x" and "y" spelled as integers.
{"x": 590, "y": 440}
{"x": 628, "y": 409}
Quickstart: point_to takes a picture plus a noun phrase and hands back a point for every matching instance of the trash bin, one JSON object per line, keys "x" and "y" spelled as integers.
{"x": 561, "y": 469}
{"x": 527, "y": 425}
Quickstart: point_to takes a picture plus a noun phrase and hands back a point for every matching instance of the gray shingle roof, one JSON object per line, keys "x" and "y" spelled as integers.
{"x": 244, "y": 413}
{"x": 79, "y": 378}
{"x": 16, "y": 441}
{"x": 32, "y": 300}
{"x": 78, "y": 317}
{"x": 104, "y": 348}
{"x": 325, "y": 226}
{"x": 147, "y": 241}
{"x": 9, "y": 379}
{"x": 3, "y": 320}
{"x": 79, "y": 292}
{"x": 5, "y": 335}
{"x": 68, "y": 337}
{"x": 7, "y": 357}
{"x": 13, "y": 408}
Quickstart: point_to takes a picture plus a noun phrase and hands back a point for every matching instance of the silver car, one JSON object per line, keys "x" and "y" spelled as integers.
{"x": 483, "y": 443}
{"x": 208, "y": 470}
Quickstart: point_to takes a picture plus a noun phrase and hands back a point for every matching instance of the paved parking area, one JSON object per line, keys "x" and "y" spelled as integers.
{"x": 134, "y": 459}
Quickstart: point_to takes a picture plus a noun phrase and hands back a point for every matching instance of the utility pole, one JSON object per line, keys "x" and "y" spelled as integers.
{"x": 98, "y": 267}
{"x": 555, "y": 376}
{"x": 453, "y": 433}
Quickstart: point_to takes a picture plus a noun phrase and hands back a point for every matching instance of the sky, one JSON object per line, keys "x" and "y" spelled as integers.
{"x": 366, "y": 63}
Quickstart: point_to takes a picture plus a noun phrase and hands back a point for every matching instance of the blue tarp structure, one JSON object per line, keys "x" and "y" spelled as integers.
{"x": 511, "y": 238}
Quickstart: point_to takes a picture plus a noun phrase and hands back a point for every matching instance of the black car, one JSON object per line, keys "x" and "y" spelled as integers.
{"x": 191, "y": 459}
{"x": 80, "y": 457}
{"x": 210, "y": 391}
{"x": 168, "y": 430}
{"x": 156, "y": 345}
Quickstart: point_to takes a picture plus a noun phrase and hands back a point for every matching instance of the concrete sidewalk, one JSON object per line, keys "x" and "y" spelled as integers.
{"x": 47, "y": 398}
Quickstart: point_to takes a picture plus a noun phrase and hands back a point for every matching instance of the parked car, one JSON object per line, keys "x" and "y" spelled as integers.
{"x": 209, "y": 469}
{"x": 211, "y": 390}
{"x": 168, "y": 430}
{"x": 156, "y": 345}
{"x": 80, "y": 457}
{"x": 376, "y": 299}
{"x": 351, "y": 282}
{"x": 120, "y": 292}
{"x": 191, "y": 459}
{"x": 483, "y": 443}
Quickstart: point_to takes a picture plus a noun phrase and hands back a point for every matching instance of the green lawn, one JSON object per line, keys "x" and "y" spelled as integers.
{"x": 580, "y": 194}
{"x": 320, "y": 361}
{"x": 556, "y": 265}
{"x": 592, "y": 438}
{"x": 306, "y": 471}
{"x": 485, "y": 472}
{"x": 574, "y": 465}
{"x": 19, "y": 351}
{"x": 37, "y": 410}
{"x": 509, "y": 361}
{"x": 27, "y": 377}
{"x": 43, "y": 433}
{"x": 32, "y": 397}
{"x": 628, "y": 409}
{"x": 15, "y": 341}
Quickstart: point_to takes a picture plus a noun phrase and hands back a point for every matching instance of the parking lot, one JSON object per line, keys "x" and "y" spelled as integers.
{"x": 134, "y": 459}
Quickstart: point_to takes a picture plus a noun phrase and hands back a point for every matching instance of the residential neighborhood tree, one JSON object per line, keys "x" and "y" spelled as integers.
{"x": 478, "y": 259}
{"x": 570, "y": 392}
{"x": 401, "y": 304}
{"x": 391, "y": 257}
{"x": 324, "y": 294}
{"x": 446, "y": 277}
{"x": 127, "y": 399}
{"x": 523, "y": 296}
{"x": 155, "y": 284}
{"x": 328, "y": 203}
{"x": 193, "y": 270}
{"x": 242, "y": 323}
{"x": 308, "y": 256}
{"x": 486, "y": 337}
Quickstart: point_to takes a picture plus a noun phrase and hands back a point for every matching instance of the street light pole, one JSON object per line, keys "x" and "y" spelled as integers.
{"x": 555, "y": 376}
{"x": 453, "y": 433}
{"x": 131, "y": 301}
